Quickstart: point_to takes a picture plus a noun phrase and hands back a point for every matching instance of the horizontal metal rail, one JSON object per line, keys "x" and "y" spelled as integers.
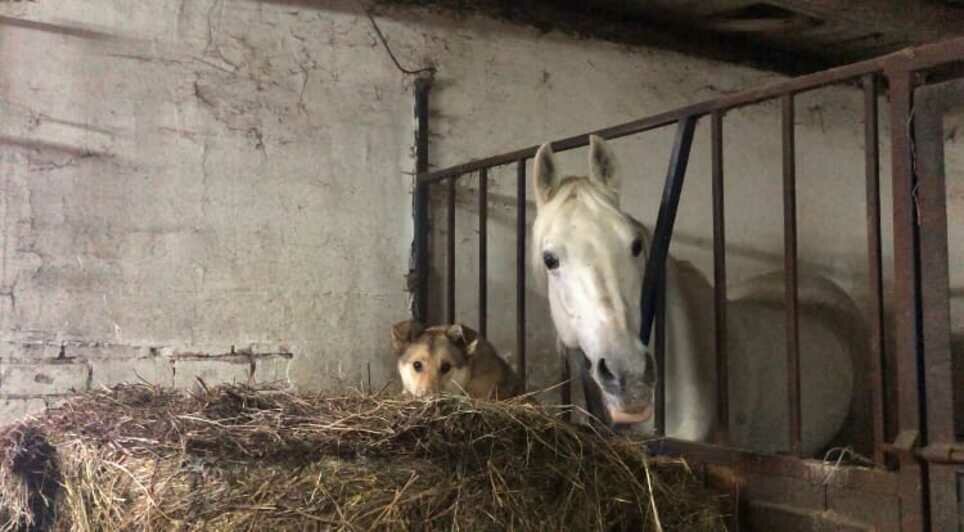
{"x": 923, "y": 57}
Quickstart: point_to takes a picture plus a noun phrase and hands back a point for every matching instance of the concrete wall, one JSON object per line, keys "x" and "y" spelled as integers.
{"x": 222, "y": 189}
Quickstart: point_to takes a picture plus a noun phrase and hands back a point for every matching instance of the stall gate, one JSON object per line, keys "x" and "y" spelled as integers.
{"x": 915, "y": 484}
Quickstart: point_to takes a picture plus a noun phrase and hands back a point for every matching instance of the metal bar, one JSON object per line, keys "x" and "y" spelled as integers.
{"x": 450, "y": 256}
{"x": 520, "y": 281}
{"x": 921, "y": 57}
{"x": 877, "y": 481}
{"x": 659, "y": 353}
{"x": 719, "y": 281}
{"x": 907, "y": 297}
{"x": 937, "y": 371}
{"x": 659, "y": 248}
{"x": 790, "y": 266}
{"x": 875, "y": 311}
{"x": 421, "y": 202}
{"x": 483, "y": 250}
{"x": 945, "y": 453}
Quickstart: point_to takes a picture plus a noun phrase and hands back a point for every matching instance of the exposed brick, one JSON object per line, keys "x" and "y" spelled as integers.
{"x": 155, "y": 370}
{"x": 44, "y": 378}
{"x": 12, "y": 410}
{"x": 213, "y": 372}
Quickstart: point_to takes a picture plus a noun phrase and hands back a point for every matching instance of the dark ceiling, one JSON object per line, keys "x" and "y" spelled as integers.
{"x": 788, "y": 36}
{"x": 831, "y": 31}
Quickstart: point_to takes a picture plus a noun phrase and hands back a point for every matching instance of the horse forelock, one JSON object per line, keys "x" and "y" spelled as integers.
{"x": 574, "y": 195}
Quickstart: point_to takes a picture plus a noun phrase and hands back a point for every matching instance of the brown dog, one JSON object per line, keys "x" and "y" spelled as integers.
{"x": 450, "y": 358}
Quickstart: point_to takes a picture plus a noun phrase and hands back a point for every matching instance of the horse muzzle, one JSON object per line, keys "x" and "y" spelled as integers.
{"x": 640, "y": 414}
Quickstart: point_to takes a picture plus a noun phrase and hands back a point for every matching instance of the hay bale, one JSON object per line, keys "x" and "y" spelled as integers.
{"x": 241, "y": 458}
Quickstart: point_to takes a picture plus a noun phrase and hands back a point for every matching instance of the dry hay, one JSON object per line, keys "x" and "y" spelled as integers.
{"x": 137, "y": 457}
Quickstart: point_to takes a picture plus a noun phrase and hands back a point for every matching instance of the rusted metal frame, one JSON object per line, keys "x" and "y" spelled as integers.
{"x": 665, "y": 219}
{"x": 924, "y": 57}
{"x": 520, "y": 280}
{"x": 790, "y": 267}
{"x": 483, "y": 250}
{"x": 871, "y": 480}
{"x": 875, "y": 309}
{"x": 906, "y": 301}
{"x": 937, "y": 371}
{"x": 450, "y": 255}
{"x": 420, "y": 203}
{"x": 719, "y": 281}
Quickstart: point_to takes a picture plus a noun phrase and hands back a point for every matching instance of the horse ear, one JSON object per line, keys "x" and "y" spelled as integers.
{"x": 544, "y": 171}
{"x": 403, "y": 333}
{"x": 602, "y": 164}
{"x": 461, "y": 335}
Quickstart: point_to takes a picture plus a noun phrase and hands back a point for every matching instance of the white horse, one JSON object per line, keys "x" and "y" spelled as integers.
{"x": 593, "y": 256}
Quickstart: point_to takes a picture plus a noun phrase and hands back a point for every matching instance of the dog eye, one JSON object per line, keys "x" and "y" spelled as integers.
{"x": 637, "y": 247}
{"x": 417, "y": 366}
{"x": 551, "y": 261}
{"x": 445, "y": 367}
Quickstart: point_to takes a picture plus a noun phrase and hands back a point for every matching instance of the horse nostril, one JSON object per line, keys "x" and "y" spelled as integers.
{"x": 604, "y": 371}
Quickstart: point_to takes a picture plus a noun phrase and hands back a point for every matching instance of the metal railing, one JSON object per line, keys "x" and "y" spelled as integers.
{"x": 915, "y": 301}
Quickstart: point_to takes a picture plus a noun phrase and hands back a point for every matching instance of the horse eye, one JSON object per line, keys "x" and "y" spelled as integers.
{"x": 551, "y": 261}
{"x": 417, "y": 366}
{"x": 445, "y": 367}
{"x": 637, "y": 247}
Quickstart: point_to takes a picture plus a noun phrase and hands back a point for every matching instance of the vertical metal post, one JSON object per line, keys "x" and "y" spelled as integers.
{"x": 876, "y": 304}
{"x": 520, "y": 280}
{"x": 719, "y": 281}
{"x": 938, "y": 364}
{"x": 420, "y": 203}
{"x": 906, "y": 301}
{"x": 659, "y": 354}
{"x": 790, "y": 266}
{"x": 483, "y": 249}
{"x": 450, "y": 255}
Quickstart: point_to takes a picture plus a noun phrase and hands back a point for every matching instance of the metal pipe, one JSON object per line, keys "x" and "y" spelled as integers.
{"x": 876, "y": 304}
{"x": 520, "y": 287}
{"x": 421, "y": 202}
{"x": 719, "y": 280}
{"x": 790, "y": 266}
{"x": 483, "y": 249}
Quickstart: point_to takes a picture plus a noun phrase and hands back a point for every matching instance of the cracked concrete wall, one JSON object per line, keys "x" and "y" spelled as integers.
{"x": 222, "y": 189}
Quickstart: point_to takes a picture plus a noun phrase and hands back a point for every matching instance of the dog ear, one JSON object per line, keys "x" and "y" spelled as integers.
{"x": 403, "y": 333}
{"x": 461, "y": 335}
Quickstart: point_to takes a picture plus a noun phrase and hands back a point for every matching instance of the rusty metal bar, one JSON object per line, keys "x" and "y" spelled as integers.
{"x": 907, "y": 297}
{"x": 420, "y": 204}
{"x": 922, "y": 57}
{"x": 659, "y": 248}
{"x": 790, "y": 266}
{"x": 937, "y": 370}
{"x": 450, "y": 256}
{"x": 483, "y": 250}
{"x": 719, "y": 281}
{"x": 520, "y": 281}
{"x": 943, "y": 453}
{"x": 659, "y": 354}
{"x": 876, "y": 307}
